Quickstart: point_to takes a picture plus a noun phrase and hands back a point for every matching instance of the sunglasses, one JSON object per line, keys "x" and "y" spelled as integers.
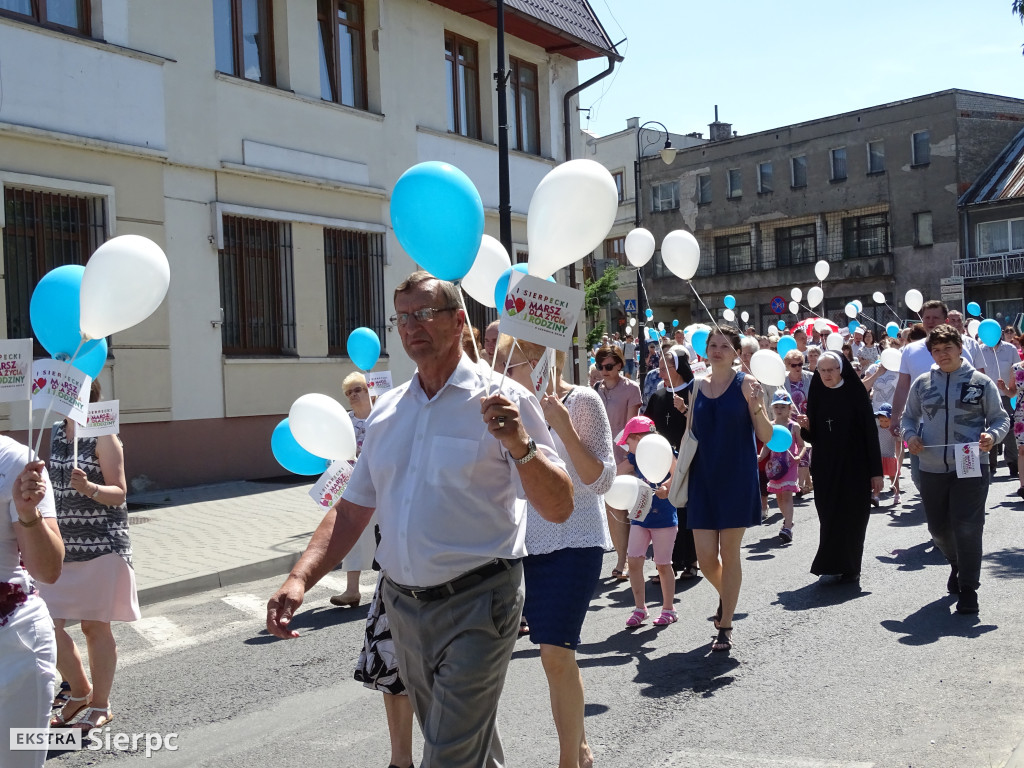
{"x": 606, "y": 366}
{"x": 354, "y": 391}
{"x": 796, "y": 365}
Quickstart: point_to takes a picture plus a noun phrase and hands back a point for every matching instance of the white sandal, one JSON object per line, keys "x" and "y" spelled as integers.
{"x": 59, "y": 721}
{"x": 85, "y": 721}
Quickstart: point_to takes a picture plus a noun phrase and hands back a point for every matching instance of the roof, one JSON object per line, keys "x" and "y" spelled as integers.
{"x": 566, "y": 27}
{"x": 1003, "y": 179}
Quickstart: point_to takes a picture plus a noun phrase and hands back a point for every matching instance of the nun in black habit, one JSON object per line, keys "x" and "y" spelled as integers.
{"x": 846, "y": 464}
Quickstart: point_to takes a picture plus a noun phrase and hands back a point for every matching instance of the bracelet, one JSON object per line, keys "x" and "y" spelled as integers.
{"x": 34, "y": 521}
{"x": 95, "y": 492}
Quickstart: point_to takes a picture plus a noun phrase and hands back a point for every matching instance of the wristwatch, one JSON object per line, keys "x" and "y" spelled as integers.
{"x": 531, "y": 451}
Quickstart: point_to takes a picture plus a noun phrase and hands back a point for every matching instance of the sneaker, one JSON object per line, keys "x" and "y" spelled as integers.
{"x": 968, "y": 602}
{"x": 874, "y": 501}
{"x": 896, "y": 499}
{"x": 786, "y": 534}
{"x": 953, "y": 582}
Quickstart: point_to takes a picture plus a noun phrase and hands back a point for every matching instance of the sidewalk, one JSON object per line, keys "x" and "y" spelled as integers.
{"x": 189, "y": 540}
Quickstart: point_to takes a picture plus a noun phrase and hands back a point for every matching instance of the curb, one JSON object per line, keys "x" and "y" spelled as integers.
{"x": 1016, "y": 759}
{"x": 263, "y": 569}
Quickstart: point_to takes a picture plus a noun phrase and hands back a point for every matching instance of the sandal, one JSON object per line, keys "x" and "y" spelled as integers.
{"x": 666, "y": 618}
{"x": 62, "y": 696}
{"x": 63, "y": 717}
{"x": 524, "y": 628}
{"x": 619, "y": 575}
{"x": 637, "y": 618}
{"x": 104, "y": 716}
{"x": 689, "y": 572}
{"x": 654, "y": 578}
{"x": 718, "y": 615}
{"x": 722, "y": 642}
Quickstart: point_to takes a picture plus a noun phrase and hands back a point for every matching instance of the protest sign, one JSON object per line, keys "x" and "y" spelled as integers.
{"x": 542, "y": 372}
{"x": 328, "y": 489}
{"x": 699, "y": 369}
{"x": 642, "y": 504}
{"x": 15, "y": 370}
{"x": 968, "y": 461}
{"x": 378, "y": 382}
{"x": 542, "y": 312}
{"x": 103, "y": 418}
{"x": 62, "y": 387}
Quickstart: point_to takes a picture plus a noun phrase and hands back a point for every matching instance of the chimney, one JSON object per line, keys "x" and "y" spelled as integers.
{"x": 632, "y": 123}
{"x": 719, "y": 131}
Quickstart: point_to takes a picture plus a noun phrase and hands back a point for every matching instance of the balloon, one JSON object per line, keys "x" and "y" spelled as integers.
{"x": 322, "y": 427}
{"x": 699, "y": 342}
{"x": 728, "y": 315}
{"x": 745, "y": 316}
{"x": 914, "y": 300}
{"x": 1013, "y": 402}
{"x": 654, "y": 458}
{"x": 796, "y": 294}
{"x": 972, "y": 326}
{"x": 91, "y": 362}
{"x": 571, "y": 212}
{"x": 821, "y": 325}
{"x": 851, "y": 310}
{"x": 782, "y": 438}
{"x": 794, "y": 308}
{"x": 973, "y": 308}
{"x": 681, "y": 253}
{"x": 491, "y": 260}
{"x": 649, "y": 313}
{"x": 652, "y": 334}
{"x": 730, "y": 302}
{"x": 786, "y": 344}
{"x": 661, "y": 326}
{"x": 781, "y": 325}
{"x": 892, "y": 330}
{"x": 814, "y": 296}
{"x": 291, "y": 455}
{"x": 632, "y": 322}
{"x": 675, "y": 323}
{"x": 438, "y": 218}
{"x": 879, "y": 297}
{"x": 821, "y": 270}
{"x": 768, "y": 368}
{"x": 891, "y": 359}
{"x": 623, "y": 493}
{"x": 857, "y": 303}
{"x": 773, "y": 332}
{"x": 501, "y": 286}
{"x": 834, "y": 342}
{"x": 54, "y": 311}
{"x": 640, "y": 247}
{"x": 989, "y": 332}
{"x": 852, "y": 326}
{"x": 125, "y": 280}
{"x": 363, "y": 348}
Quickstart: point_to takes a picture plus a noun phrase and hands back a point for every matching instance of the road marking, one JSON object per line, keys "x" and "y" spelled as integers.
{"x": 254, "y": 606}
{"x": 737, "y": 760}
{"x": 162, "y": 632}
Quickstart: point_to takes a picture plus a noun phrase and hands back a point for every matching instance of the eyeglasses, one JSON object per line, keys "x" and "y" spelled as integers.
{"x": 354, "y": 391}
{"x": 796, "y": 365}
{"x": 607, "y": 367}
{"x": 422, "y": 315}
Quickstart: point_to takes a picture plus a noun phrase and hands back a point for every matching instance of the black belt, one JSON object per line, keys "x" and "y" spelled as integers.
{"x": 458, "y": 584}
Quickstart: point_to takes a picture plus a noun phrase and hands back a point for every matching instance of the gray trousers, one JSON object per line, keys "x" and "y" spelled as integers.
{"x": 955, "y": 508}
{"x": 453, "y": 654}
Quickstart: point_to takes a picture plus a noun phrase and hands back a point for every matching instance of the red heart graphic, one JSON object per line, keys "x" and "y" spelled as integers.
{"x": 327, "y": 497}
{"x": 509, "y": 303}
{"x": 519, "y": 305}
{"x": 40, "y": 383}
{"x": 370, "y": 385}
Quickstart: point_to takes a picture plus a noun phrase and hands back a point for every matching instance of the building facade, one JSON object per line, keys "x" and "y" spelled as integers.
{"x": 257, "y": 143}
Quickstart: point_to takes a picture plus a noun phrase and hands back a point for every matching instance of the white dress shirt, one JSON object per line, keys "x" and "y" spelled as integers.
{"x": 444, "y": 488}
{"x": 917, "y": 360}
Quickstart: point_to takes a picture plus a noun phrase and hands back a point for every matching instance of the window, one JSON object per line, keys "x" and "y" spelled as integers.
{"x": 921, "y": 148}
{"x": 923, "y": 228}
{"x": 615, "y": 250}
{"x": 764, "y": 178}
{"x": 665, "y": 196}
{"x": 734, "y": 183}
{"x": 243, "y": 39}
{"x": 876, "y": 156}
{"x": 798, "y": 168}
{"x": 1000, "y": 236}
{"x": 65, "y": 15}
{"x": 865, "y": 235}
{"x": 342, "y": 52}
{"x": 524, "y": 118}
{"x": 256, "y": 288}
{"x": 837, "y": 163}
{"x": 796, "y": 245}
{"x": 462, "y": 60}
{"x": 704, "y": 188}
{"x": 44, "y": 230}
{"x": 620, "y": 184}
{"x": 733, "y": 253}
{"x": 354, "y": 269}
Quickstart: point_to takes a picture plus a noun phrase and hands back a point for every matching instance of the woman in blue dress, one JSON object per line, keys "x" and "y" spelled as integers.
{"x": 724, "y": 496}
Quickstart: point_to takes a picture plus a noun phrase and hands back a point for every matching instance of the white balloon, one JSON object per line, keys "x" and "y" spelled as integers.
{"x": 321, "y": 426}
{"x": 681, "y": 253}
{"x": 851, "y": 310}
{"x": 640, "y": 246}
{"x": 773, "y": 332}
{"x": 125, "y": 280}
{"x": 623, "y": 493}
{"x": 661, "y": 326}
{"x": 794, "y": 308}
{"x": 914, "y": 300}
{"x": 891, "y": 359}
{"x": 768, "y": 367}
{"x": 972, "y": 327}
{"x": 571, "y": 212}
{"x": 821, "y": 269}
{"x": 745, "y": 316}
{"x": 858, "y": 304}
{"x": 654, "y": 458}
{"x": 821, "y": 324}
{"x": 632, "y": 322}
{"x": 729, "y": 315}
{"x": 796, "y": 294}
{"x": 879, "y": 297}
{"x": 491, "y": 260}
{"x": 834, "y": 342}
{"x": 814, "y": 297}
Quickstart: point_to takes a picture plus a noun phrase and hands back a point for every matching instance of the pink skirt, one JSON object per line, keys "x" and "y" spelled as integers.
{"x": 102, "y": 589}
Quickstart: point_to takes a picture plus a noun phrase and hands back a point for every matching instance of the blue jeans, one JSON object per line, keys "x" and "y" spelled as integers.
{"x": 955, "y": 508}
{"x": 631, "y": 368}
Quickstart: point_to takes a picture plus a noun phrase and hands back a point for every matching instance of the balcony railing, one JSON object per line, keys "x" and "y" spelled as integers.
{"x": 990, "y": 267}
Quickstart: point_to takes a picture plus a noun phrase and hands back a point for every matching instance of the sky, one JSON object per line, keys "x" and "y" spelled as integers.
{"x": 769, "y": 64}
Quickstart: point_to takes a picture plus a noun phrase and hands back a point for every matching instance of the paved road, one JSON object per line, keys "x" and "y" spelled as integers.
{"x": 821, "y": 677}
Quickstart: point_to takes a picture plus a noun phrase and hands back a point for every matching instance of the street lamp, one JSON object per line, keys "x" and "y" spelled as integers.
{"x": 668, "y": 154}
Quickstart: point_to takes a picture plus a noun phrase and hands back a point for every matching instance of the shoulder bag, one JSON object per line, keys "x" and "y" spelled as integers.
{"x": 679, "y": 491}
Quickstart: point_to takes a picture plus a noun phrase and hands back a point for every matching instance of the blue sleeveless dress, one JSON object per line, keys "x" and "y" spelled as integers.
{"x": 724, "y": 490}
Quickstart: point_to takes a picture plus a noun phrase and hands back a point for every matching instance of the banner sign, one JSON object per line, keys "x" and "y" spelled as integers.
{"x": 15, "y": 370}
{"x": 968, "y": 462}
{"x": 643, "y": 503}
{"x": 542, "y": 312}
{"x": 699, "y": 369}
{"x": 61, "y": 386}
{"x": 542, "y": 372}
{"x": 328, "y": 489}
{"x": 378, "y": 382}
{"x": 103, "y": 418}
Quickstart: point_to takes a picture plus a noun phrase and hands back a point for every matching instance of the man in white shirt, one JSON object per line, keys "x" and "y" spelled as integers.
{"x": 443, "y": 463}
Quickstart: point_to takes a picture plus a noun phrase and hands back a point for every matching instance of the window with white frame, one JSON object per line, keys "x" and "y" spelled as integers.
{"x": 798, "y": 171}
{"x": 923, "y": 228}
{"x": 876, "y": 156}
{"x": 764, "y": 177}
{"x": 665, "y": 196}
{"x": 734, "y": 183}
{"x": 837, "y": 163}
{"x": 704, "y": 188}
{"x": 1000, "y": 236}
{"x": 921, "y": 148}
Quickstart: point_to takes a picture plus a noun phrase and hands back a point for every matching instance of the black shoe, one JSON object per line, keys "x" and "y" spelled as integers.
{"x": 953, "y": 582}
{"x": 849, "y": 578}
{"x": 968, "y": 602}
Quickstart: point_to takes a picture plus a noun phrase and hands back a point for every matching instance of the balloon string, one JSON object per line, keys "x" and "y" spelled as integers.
{"x": 49, "y": 408}
{"x": 894, "y": 312}
{"x": 31, "y": 453}
{"x": 465, "y": 313}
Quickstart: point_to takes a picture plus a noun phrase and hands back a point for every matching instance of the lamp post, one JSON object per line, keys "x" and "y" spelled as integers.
{"x": 668, "y": 154}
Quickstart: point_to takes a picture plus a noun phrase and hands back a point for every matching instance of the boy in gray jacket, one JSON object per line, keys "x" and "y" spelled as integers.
{"x": 953, "y": 403}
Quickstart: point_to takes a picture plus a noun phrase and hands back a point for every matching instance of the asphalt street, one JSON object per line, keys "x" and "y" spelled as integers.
{"x": 822, "y": 676}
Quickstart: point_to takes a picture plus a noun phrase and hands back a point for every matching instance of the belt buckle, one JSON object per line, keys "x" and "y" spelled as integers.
{"x": 419, "y": 594}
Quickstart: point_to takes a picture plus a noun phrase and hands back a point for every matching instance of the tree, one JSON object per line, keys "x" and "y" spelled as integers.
{"x": 1017, "y": 6}
{"x": 596, "y": 294}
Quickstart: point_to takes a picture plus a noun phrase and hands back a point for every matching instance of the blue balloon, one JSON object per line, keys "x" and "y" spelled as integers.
{"x": 782, "y": 438}
{"x": 54, "y": 311}
{"x": 438, "y": 218}
{"x": 730, "y": 302}
{"x": 974, "y": 309}
{"x": 652, "y": 334}
{"x": 852, "y": 326}
{"x": 649, "y": 312}
{"x": 291, "y": 455}
{"x": 699, "y": 342}
{"x": 501, "y": 287}
{"x": 781, "y": 325}
{"x": 892, "y": 330}
{"x": 675, "y": 323}
{"x": 363, "y": 348}
{"x": 989, "y": 332}
{"x": 1013, "y": 402}
{"x": 785, "y": 344}
{"x": 91, "y": 363}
